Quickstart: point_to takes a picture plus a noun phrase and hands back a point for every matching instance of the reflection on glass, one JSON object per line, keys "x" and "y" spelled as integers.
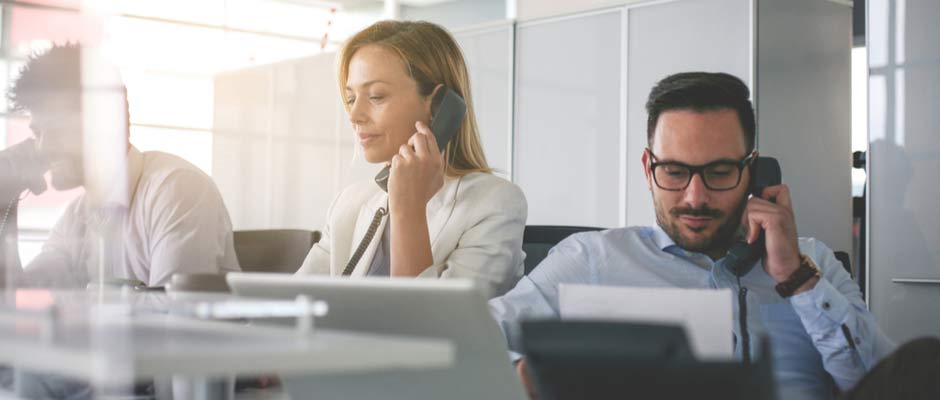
{"x": 904, "y": 167}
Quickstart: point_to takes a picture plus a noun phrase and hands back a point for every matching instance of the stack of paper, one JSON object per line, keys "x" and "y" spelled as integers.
{"x": 706, "y": 314}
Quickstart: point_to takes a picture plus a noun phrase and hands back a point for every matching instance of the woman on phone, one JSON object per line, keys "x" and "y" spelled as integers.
{"x": 445, "y": 215}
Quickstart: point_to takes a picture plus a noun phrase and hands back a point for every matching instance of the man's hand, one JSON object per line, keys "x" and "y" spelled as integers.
{"x": 772, "y": 213}
{"x": 523, "y": 372}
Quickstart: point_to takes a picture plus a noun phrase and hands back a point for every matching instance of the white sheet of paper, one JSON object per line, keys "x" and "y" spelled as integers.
{"x": 706, "y": 314}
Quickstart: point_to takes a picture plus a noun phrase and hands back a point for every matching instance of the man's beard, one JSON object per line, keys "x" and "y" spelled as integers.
{"x": 720, "y": 240}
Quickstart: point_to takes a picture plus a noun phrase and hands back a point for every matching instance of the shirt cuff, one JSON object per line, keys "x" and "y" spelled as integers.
{"x": 515, "y": 357}
{"x": 821, "y": 303}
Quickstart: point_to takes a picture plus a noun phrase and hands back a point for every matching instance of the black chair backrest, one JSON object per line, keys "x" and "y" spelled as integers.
{"x": 539, "y": 239}
{"x": 846, "y": 261}
{"x": 276, "y": 250}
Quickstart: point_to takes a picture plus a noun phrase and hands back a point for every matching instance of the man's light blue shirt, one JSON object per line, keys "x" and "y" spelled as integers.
{"x": 810, "y": 349}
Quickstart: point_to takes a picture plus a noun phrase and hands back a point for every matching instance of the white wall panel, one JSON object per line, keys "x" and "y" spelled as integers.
{"x": 488, "y": 53}
{"x": 804, "y": 111}
{"x": 567, "y": 139}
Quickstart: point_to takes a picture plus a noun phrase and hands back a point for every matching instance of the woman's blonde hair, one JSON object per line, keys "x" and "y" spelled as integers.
{"x": 431, "y": 57}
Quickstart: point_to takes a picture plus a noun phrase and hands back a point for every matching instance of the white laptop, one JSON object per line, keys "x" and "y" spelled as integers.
{"x": 441, "y": 308}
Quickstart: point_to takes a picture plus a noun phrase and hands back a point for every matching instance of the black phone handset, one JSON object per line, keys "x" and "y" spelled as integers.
{"x": 742, "y": 257}
{"x": 448, "y": 110}
{"x": 21, "y": 168}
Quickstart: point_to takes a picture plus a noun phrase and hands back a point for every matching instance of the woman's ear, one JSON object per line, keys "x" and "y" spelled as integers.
{"x": 429, "y": 101}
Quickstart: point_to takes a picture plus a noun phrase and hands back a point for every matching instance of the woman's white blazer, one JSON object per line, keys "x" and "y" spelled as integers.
{"x": 475, "y": 224}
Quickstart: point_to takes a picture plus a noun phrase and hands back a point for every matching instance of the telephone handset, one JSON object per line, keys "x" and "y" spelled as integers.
{"x": 21, "y": 167}
{"x": 742, "y": 256}
{"x": 448, "y": 110}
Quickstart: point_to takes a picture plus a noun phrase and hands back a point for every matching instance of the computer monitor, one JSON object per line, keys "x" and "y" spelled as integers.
{"x": 605, "y": 360}
{"x": 440, "y": 308}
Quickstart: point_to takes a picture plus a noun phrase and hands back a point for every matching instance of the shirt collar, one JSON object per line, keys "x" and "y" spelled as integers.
{"x": 662, "y": 239}
{"x": 666, "y": 244}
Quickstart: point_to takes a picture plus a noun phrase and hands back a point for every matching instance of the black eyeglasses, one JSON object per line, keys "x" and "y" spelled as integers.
{"x": 717, "y": 175}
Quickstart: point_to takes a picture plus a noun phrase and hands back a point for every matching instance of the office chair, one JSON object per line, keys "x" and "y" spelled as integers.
{"x": 282, "y": 251}
{"x": 276, "y": 250}
{"x": 846, "y": 261}
{"x": 539, "y": 239}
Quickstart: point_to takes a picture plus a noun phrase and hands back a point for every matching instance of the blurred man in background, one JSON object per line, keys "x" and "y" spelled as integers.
{"x": 143, "y": 215}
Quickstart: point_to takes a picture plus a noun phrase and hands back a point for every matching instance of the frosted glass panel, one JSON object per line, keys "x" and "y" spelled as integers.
{"x": 283, "y": 147}
{"x": 904, "y": 168}
{"x": 192, "y": 146}
{"x": 303, "y": 182}
{"x": 488, "y": 54}
{"x": 675, "y": 37}
{"x": 567, "y": 136}
{"x": 240, "y": 170}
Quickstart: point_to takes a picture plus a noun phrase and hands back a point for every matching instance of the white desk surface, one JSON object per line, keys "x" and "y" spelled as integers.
{"x": 115, "y": 348}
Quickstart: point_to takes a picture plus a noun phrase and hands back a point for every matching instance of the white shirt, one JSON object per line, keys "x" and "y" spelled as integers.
{"x": 475, "y": 223}
{"x": 171, "y": 220}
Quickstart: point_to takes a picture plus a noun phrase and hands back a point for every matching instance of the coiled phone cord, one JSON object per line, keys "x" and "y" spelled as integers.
{"x": 742, "y": 323}
{"x": 370, "y": 234}
{"x": 6, "y": 214}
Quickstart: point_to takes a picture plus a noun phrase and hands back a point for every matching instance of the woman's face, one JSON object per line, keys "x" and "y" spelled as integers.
{"x": 383, "y": 102}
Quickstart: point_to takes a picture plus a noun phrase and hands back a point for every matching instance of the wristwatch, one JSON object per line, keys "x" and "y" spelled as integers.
{"x": 804, "y": 273}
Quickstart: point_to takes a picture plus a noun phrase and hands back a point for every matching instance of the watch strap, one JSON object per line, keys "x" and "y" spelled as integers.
{"x": 804, "y": 273}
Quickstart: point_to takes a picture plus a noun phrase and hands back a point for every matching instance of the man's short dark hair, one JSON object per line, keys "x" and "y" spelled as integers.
{"x": 56, "y": 72}
{"x": 701, "y": 92}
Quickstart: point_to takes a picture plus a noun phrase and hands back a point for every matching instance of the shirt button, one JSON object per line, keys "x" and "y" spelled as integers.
{"x": 858, "y": 340}
{"x": 826, "y": 305}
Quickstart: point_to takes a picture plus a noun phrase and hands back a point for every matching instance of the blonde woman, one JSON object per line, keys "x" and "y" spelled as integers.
{"x": 445, "y": 215}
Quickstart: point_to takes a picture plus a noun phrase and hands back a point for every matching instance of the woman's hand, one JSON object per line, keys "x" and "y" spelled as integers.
{"x": 417, "y": 172}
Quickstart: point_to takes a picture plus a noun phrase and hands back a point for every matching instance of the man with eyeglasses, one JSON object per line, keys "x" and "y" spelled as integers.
{"x": 700, "y": 132}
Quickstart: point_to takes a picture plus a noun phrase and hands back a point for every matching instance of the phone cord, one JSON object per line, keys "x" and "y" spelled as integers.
{"x": 742, "y": 323}
{"x": 6, "y": 215}
{"x": 373, "y": 228}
